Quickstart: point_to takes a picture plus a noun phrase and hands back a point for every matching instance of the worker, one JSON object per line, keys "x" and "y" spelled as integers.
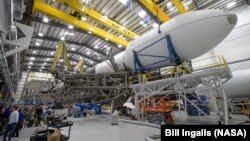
{"x": 19, "y": 124}
{"x": 13, "y": 120}
{"x": 38, "y": 115}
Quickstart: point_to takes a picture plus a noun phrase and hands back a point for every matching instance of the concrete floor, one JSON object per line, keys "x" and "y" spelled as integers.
{"x": 99, "y": 129}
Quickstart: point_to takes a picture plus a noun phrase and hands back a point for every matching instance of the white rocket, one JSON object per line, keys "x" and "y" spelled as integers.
{"x": 192, "y": 35}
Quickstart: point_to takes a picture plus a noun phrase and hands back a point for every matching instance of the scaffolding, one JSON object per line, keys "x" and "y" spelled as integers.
{"x": 207, "y": 80}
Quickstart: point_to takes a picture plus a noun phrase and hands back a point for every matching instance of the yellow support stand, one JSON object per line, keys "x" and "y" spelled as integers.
{"x": 79, "y": 67}
{"x": 61, "y": 52}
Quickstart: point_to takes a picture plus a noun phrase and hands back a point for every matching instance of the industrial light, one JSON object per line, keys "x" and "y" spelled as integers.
{"x": 155, "y": 25}
{"x": 144, "y": 25}
{"x": 80, "y": 58}
{"x": 28, "y": 70}
{"x": 142, "y": 22}
{"x": 32, "y": 58}
{"x": 61, "y": 60}
{"x": 37, "y": 44}
{"x": 85, "y": 66}
{"x": 231, "y": 4}
{"x": 34, "y": 51}
{"x": 119, "y": 45}
{"x": 120, "y": 36}
{"x": 105, "y": 46}
{"x": 45, "y": 63}
{"x": 142, "y": 13}
{"x": 62, "y": 38}
{"x": 45, "y": 19}
{"x": 56, "y": 46}
{"x": 169, "y": 5}
{"x": 42, "y": 67}
{"x": 29, "y": 67}
{"x": 70, "y": 26}
{"x": 88, "y": 53}
{"x": 105, "y": 17}
{"x": 91, "y": 62}
{"x": 124, "y": 2}
{"x": 70, "y": 34}
{"x": 48, "y": 59}
{"x": 73, "y": 49}
{"x": 106, "y": 39}
{"x": 83, "y": 18}
{"x": 40, "y": 34}
{"x": 90, "y": 32}
{"x": 96, "y": 47}
{"x": 40, "y": 70}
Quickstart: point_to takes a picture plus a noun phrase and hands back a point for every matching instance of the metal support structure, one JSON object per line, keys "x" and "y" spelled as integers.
{"x": 172, "y": 56}
{"x": 101, "y": 88}
{"x": 202, "y": 81}
{"x": 58, "y": 14}
{"x": 61, "y": 52}
{"x": 88, "y": 11}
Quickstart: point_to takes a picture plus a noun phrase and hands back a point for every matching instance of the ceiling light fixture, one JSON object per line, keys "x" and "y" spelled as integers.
{"x": 42, "y": 67}
{"x": 155, "y": 25}
{"x": 62, "y": 38}
{"x": 83, "y": 18}
{"x": 70, "y": 26}
{"x": 231, "y": 4}
{"x": 106, "y": 39}
{"x": 96, "y": 47}
{"x": 29, "y": 67}
{"x": 73, "y": 49}
{"x": 34, "y": 51}
{"x": 40, "y": 34}
{"x": 40, "y": 70}
{"x": 142, "y": 13}
{"x": 90, "y": 32}
{"x": 46, "y": 19}
{"x": 48, "y": 59}
{"x": 37, "y": 44}
{"x": 88, "y": 53}
{"x": 119, "y": 45}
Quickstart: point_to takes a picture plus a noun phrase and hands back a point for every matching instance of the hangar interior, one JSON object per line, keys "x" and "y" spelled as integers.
{"x": 88, "y": 68}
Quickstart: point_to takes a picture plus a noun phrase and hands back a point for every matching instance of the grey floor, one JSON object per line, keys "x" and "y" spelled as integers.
{"x": 100, "y": 129}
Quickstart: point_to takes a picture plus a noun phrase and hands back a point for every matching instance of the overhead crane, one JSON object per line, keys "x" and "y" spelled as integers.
{"x": 157, "y": 11}
{"x": 79, "y": 7}
{"x": 40, "y": 6}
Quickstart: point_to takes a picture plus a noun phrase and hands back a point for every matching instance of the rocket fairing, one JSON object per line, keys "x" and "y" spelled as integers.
{"x": 192, "y": 35}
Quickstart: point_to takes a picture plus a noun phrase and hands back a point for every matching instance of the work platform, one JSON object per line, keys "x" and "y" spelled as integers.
{"x": 207, "y": 80}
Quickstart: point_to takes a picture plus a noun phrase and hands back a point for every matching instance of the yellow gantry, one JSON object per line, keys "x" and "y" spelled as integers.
{"x": 79, "y": 67}
{"x": 179, "y": 6}
{"x": 60, "y": 15}
{"x": 80, "y": 7}
{"x": 155, "y": 10}
{"x": 61, "y": 52}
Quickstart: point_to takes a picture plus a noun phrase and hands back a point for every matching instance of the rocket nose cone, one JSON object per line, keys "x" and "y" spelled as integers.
{"x": 232, "y": 18}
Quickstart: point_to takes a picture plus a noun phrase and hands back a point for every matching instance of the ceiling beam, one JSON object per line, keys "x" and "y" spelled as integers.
{"x": 79, "y": 7}
{"x": 53, "y": 12}
{"x": 70, "y": 42}
{"x": 69, "y": 51}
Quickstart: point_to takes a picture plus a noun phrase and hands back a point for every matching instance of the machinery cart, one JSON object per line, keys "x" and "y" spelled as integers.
{"x": 156, "y": 111}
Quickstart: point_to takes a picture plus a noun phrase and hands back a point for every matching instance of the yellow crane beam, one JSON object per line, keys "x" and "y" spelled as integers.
{"x": 60, "y": 15}
{"x": 179, "y": 6}
{"x": 155, "y": 10}
{"x": 81, "y": 8}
